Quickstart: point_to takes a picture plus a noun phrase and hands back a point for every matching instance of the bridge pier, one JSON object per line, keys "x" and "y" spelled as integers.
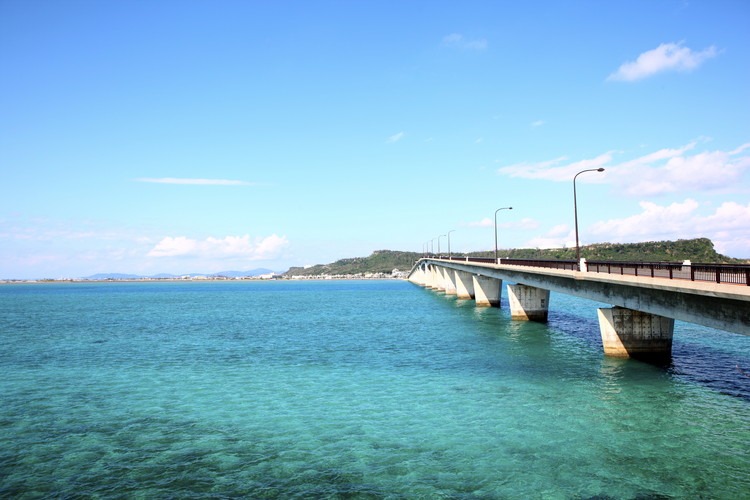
{"x": 487, "y": 290}
{"x": 636, "y": 334}
{"x": 437, "y": 278}
{"x": 418, "y": 276}
{"x": 449, "y": 281}
{"x": 464, "y": 285}
{"x": 528, "y": 303}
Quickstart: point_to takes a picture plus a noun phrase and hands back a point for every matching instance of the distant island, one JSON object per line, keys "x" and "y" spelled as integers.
{"x": 163, "y": 276}
{"x": 260, "y": 273}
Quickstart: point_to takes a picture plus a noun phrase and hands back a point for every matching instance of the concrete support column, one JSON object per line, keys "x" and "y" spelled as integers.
{"x": 464, "y": 285}
{"x": 487, "y": 290}
{"x": 528, "y": 303}
{"x": 431, "y": 277}
{"x": 428, "y": 277}
{"x": 437, "y": 278}
{"x": 417, "y": 276}
{"x": 424, "y": 278}
{"x": 636, "y": 334}
{"x": 450, "y": 281}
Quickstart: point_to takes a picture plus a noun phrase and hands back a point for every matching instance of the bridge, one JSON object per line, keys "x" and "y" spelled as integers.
{"x": 646, "y": 297}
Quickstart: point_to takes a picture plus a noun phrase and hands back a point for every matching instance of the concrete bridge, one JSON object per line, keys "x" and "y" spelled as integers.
{"x": 647, "y": 297}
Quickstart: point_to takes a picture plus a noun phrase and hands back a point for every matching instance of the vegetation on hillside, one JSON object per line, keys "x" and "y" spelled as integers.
{"x": 385, "y": 261}
{"x": 695, "y": 250}
{"x": 381, "y": 261}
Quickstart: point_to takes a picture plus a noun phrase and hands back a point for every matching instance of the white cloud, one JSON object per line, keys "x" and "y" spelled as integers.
{"x": 667, "y": 56}
{"x": 458, "y": 41}
{"x": 395, "y": 137}
{"x": 549, "y": 170}
{"x": 201, "y": 182}
{"x": 728, "y": 226}
{"x": 537, "y": 123}
{"x": 559, "y": 236}
{"x": 232, "y": 247}
{"x": 663, "y": 171}
{"x": 486, "y": 222}
{"x": 654, "y": 221}
{"x": 524, "y": 224}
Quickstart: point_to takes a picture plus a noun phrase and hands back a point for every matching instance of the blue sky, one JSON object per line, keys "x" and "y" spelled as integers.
{"x": 178, "y": 136}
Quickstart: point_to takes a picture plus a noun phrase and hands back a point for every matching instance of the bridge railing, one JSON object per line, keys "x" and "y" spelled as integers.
{"x": 736, "y": 274}
{"x": 469, "y": 259}
{"x": 671, "y": 270}
{"x": 569, "y": 265}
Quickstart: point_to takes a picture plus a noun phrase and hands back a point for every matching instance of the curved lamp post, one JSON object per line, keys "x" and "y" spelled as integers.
{"x": 575, "y": 212}
{"x": 438, "y": 238}
{"x": 449, "y": 242}
{"x": 432, "y": 246}
{"x": 496, "y": 211}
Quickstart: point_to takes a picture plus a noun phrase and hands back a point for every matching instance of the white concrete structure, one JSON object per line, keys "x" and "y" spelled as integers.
{"x": 528, "y": 303}
{"x": 640, "y": 325}
{"x": 628, "y": 333}
{"x": 464, "y": 285}
{"x": 487, "y": 290}
{"x": 449, "y": 281}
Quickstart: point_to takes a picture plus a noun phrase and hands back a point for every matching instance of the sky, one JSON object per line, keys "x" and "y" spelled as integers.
{"x": 178, "y": 137}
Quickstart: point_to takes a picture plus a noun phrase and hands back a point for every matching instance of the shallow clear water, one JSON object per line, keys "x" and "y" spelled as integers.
{"x": 361, "y": 389}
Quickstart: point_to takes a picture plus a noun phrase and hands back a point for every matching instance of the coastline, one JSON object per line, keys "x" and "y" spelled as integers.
{"x": 170, "y": 280}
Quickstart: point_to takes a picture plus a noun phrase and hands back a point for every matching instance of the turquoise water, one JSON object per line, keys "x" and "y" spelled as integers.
{"x": 352, "y": 389}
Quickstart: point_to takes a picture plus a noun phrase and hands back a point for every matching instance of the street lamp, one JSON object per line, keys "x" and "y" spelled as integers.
{"x": 438, "y": 238}
{"x": 449, "y": 242}
{"x": 575, "y": 212}
{"x": 496, "y": 211}
{"x": 432, "y": 246}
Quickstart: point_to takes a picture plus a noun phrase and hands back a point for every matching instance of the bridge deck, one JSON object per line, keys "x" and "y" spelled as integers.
{"x": 683, "y": 285}
{"x": 719, "y": 305}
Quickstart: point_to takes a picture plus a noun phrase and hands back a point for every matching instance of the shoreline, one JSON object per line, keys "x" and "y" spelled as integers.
{"x": 175, "y": 280}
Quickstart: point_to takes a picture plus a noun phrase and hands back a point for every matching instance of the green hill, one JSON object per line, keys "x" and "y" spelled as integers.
{"x": 384, "y": 261}
{"x": 695, "y": 250}
{"x": 381, "y": 261}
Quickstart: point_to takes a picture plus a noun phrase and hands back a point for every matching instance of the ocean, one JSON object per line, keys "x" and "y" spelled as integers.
{"x": 352, "y": 389}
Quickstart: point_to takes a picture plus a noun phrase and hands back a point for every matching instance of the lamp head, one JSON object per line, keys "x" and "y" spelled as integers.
{"x": 600, "y": 169}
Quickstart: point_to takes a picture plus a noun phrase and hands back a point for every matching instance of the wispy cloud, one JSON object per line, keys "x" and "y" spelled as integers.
{"x": 537, "y": 123}
{"x": 458, "y": 41}
{"x": 395, "y": 137}
{"x": 666, "y": 57}
{"x": 525, "y": 224}
{"x": 552, "y": 170}
{"x": 242, "y": 247}
{"x": 486, "y": 222}
{"x": 663, "y": 171}
{"x": 557, "y": 237}
{"x": 198, "y": 182}
{"x": 65, "y": 231}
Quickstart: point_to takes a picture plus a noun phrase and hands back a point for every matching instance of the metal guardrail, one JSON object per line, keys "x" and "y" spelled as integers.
{"x": 569, "y": 265}
{"x": 735, "y": 274}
